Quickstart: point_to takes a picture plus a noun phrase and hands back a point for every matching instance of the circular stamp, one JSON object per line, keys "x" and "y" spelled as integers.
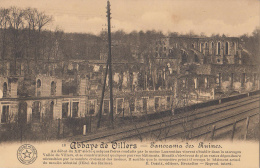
{"x": 26, "y": 154}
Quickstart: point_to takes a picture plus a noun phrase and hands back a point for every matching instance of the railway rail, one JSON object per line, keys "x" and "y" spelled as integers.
{"x": 173, "y": 125}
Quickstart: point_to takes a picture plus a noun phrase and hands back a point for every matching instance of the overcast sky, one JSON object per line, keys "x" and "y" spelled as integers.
{"x": 230, "y": 17}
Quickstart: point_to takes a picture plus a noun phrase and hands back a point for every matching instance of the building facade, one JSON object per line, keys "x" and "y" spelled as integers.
{"x": 178, "y": 71}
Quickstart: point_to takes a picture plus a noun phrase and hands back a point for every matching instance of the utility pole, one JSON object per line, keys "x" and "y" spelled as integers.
{"x": 108, "y": 67}
{"x": 102, "y": 97}
{"x": 110, "y": 63}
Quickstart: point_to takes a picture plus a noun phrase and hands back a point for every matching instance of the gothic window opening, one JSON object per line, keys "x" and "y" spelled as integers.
{"x": 132, "y": 105}
{"x": 226, "y": 49}
{"x": 156, "y": 103}
{"x": 65, "y": 110}
{"x": 36, "y": 111}
{"x": 168, "y": 100}
{"x": 75, "y": 109}
{"x": 5, "y": 114}
{"x": 218, "y": 48}
{"x": 5, "y": 90}
{"x": 92, "y": 107}
{"x": 51, "y": 110}
{"x": 212, "y": 48}
{"x": 53, "y": 88}
{"x": 201, "y": 47}
{"x": 38, "y": 87}
{"x": 206, "y": 48}
{"x": 145, "y": 106}
{"x": 218, "y": 79}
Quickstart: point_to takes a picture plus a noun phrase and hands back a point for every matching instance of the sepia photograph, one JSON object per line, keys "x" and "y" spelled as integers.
{"x": 138, "y": 83}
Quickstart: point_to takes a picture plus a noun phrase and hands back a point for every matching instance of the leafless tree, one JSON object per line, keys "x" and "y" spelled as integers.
{"x": 4, "y": 23}
{"x": 31, "y": 18}
{"x": 42, "y": 20}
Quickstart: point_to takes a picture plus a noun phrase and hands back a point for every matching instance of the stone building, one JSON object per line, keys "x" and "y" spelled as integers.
{"x": 210, "y": 66}
{"x": 177, "y": 71}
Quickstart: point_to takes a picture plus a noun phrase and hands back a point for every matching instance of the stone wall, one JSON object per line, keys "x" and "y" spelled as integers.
{"x": 45, "y": 87}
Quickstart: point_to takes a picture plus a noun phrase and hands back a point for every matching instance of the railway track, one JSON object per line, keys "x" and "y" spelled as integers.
{"x": 172, "y": 126}
{"x": 205, "y": 129}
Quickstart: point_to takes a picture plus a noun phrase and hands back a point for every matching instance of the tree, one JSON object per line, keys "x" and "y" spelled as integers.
{"x": 252, "y": 44}
{"x": 4, "y": 22}
{"x": 16, "y": 23}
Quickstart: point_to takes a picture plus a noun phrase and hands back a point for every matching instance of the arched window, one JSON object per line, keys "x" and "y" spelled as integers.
{"x": 201, "y": 47}
{"x": 5, "y": 90}
{"x": 206, "y": 48}
{"x": 75, "y": 109}
{"x": 226, "y": 49}
{"x": 36, "y": 111}
{"x": 212, "y": 48}
{"x": 53, "y": 88}
{"x": 51, "y": 110}
{"x": 5, "y": 114}
{"x": 22, "y": 112}
{"x": 38, "y": 85}
{"x": 218, "y": 48}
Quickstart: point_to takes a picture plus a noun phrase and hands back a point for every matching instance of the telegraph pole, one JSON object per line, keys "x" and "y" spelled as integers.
{"x": 108, "y": 67}
{"x": 102, "y": 98}
{"x": 110, "y": 63}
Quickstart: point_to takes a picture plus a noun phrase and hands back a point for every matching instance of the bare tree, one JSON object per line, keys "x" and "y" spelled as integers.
{"x": 16, "y": 18}
{"x": 31, "y": 18}
{"x": 16, "y": 23}
{"x": 42, "y": 20}
{"x": 4, "y": 22}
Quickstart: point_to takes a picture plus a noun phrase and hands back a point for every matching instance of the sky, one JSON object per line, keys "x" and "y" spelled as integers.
{"x": 229, "y": 17}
